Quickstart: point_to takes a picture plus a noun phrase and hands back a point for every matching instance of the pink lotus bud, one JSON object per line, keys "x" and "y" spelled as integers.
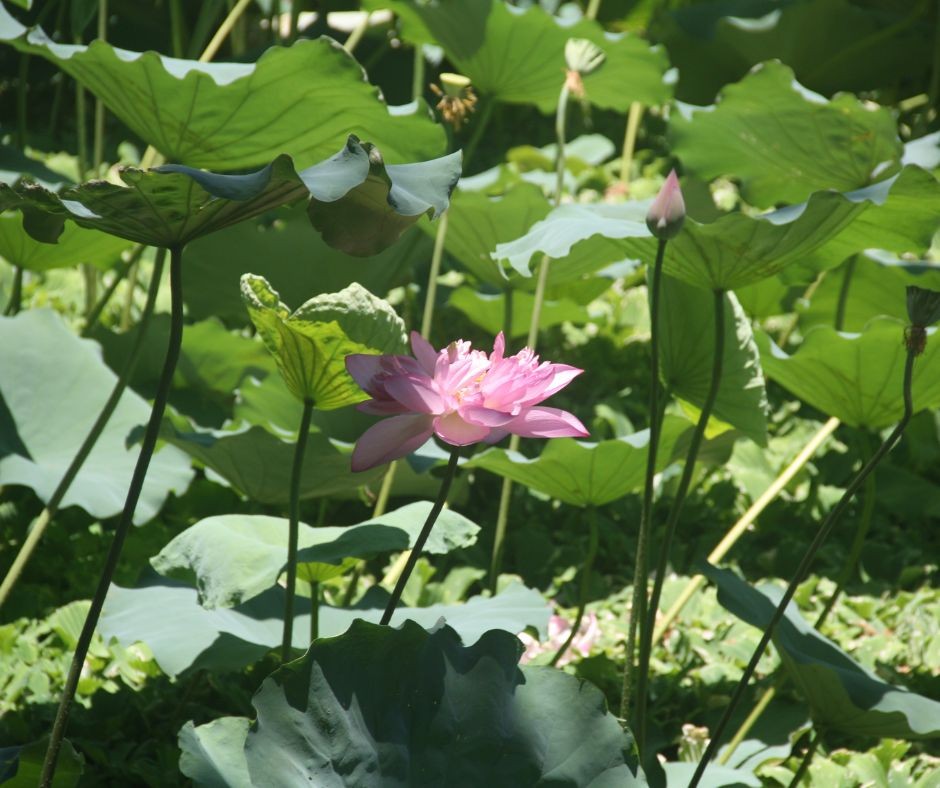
{"x": 667, "y": 212}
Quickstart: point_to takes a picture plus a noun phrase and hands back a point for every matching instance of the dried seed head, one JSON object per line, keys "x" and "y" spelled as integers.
{"x": 457, "y": 99}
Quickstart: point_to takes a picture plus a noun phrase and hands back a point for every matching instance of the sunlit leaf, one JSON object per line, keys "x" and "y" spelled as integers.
{"x": 489, "y": 310}
{"x": 213, "y": 754}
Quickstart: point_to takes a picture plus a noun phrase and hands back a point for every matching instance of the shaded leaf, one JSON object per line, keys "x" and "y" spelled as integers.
{"x": 303, "y": 100}
{"x": 843, "y": 695}
{"x": 21, "y": 767}
{"x": 310, "y": 345}
{"x": 75, "y": 245}
{"x": 855, "y": 377}
{"x": 53, "y": 403}
{"x": 213, "y": 754}
{"x": 782, "y": 142}
{"x": 582, "y": 473}
{"x": 687, "y": 349}
{"x": 183, "y": 635}
{"x": 232, "y": 558}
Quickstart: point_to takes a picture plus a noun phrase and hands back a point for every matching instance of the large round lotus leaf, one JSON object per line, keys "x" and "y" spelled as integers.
{"x": 387, "y": 708}
{"x": 52, "y": 389}
{"x": 76, "y": 245}
{"x": 518, "y": 56}
{"x": 856, "y": 377}
{"x": 783, "y": 142}
{"x": 183, "y": 635}
{"x": 687, "y": 350}
{"x": 582, "y": 473}
{"x": 843, "y": 695}
{"x": 235, "y": 557}
{"x": 303, "y": 101}
{"x": 310, "y": 345}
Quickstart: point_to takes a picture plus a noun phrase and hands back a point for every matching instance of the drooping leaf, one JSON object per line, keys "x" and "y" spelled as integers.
{"x": 292, "y": 259}
{"x": 303, "y": 101}
{"x": 310, "y": 345}
{"x": 488, "y": 310}
{"x": 54, "y": 385}
{"x": 783, "y": 142}
{"x": 518, "y": 56}
{"x": 183, "y": 635}
{"x": 687, "y": 349}
{"x": 441, "y": 714}
{"x": 212, "y": 755}
{"x": 843, "y": 695}
{"x": 75, "y": 245}
{"x": 233, "y": 558}
{"x": 258, "y": 465}
{"x": 582, "y": 473}
{"x": 855, "y": 377}
{"x": 21, "y": 767}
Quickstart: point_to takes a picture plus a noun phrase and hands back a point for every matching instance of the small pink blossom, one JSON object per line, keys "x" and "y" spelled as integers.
{"x": 559, "y": 628}
{"x": 667, "y": 212}
{"x": 460, "y": 394}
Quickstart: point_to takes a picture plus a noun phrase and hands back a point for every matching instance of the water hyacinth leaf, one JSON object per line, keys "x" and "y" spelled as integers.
{"x": 292, "y": 259}
{"x": 843, "y": 695}
{"x": 302, "y": 100}
{"x": 442, "y": 713}
{"x": 488, "y": 310}
{"x": 212, "y": 755}
{"x": 361, "y": 205}
{"x": 687, "y": 348}
{"x": 257, "y": 464}
{"x": 75, "y": 245}
{"x": 233, "y": 558}
{"x": 310, "y": 345}
{"x": 518, "y": 56}
{"x": 52, "y": 360}
{"x": 477, "y": 223}
{"x": 855, "y": 377}
{"x": 782, "y": 142}
{"x": 832, "y": 45}
{"x": 582, "y": 473}
{"x": 183, "y": 635}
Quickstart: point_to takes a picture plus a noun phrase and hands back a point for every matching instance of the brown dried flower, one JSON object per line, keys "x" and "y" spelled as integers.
{"x": 457, "y": 99}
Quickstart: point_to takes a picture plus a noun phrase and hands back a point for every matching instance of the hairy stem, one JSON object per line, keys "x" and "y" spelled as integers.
{"x": 124, "y": 524}
{"x": 803, "y": 569}
{"x": 293, "y": 534}
{"x": 423, "y": 536}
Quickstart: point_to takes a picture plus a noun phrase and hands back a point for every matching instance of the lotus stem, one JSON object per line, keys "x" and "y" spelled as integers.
{"x": 807, "y": 561}
{"x": 176, "y": 28}
{"x": 293, "y": 534}
{"x": 45, "y": 517}
{"x": 637, "y": 618}
{"x": 483, "y": 120}
{"x": 119, "y": 275}
{"x": 741, "y": 526}
{"x": 646, "y": 643}
{"x": 356, "y": 35}
{"x": 417, "y": 75}
{"x": 593, "y": 7}
{"x": 806, "y": 759}
{"x": 224, "y": 29}
{"x": 629, "y": 140}
{"x": 436, "y": 257}
{"x": 314, "y": 610}
{"x": 423, "y": 536}
{"x": 844, "y": 293}
{"x": 98, "y": 145}
{"x": 16, "y": 293}
{"x": 584, "y": 586}
{"x": 124, "y": 524}
{"x": 769, "y": 694}
{"x": 561, "y": 113}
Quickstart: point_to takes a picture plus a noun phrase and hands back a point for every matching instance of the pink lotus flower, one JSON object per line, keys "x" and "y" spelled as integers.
{"x": 559, "y": 628}
{"x": 462, "y": 395}
{"x": 667, "y": 212}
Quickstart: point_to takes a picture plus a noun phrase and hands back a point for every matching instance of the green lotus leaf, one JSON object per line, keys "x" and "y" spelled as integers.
{"x": 21, "y": 767}
{"x": 855, "y": 377}
{"x": 487, "y": 310}
{"x": 74, "y": 246}
{"x": 843, "y": 695}
{"x": 303, "y": 101}
{"x": 444, "y": 714}
{"x": 56, "y": 390}
{"x": 213, "y": 754}
{"x": 687, "y": 349}
{"x": 233, "y": 558}
{"x": 783, "y": 142}
{"x": 183, "y": 635}
{"x": 518, "y": 56}
{"x": 310, "y": 345}
{"x": 832, "y": 45}
{"x": 582, "y": 473}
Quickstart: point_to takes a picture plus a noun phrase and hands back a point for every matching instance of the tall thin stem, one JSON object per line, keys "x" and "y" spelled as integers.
{"x": 98, "y": 146}
{"x": 423, "y": 536}
{"x": 176, "y": 28}
{"x": 641, "y": 569}
{"x": 584, "y": 586}
{"x": 52, "y": 506}
{"x": 561, "y": 115}
{"x": 672, "y": 520}
{"x": 483, "y": 120}
{"x": 593, "y": 7}
{"x": 805, "y": 564}
{"x": 417, "y": 74}
{"x": 806, "y": 760}
{"x": 293, "y": 534}
{"x": 224, "y": 29}
{"x": 16, "y": 293}
{"x": 124, "y": 524}
{"x": 436, "y": 257}
{"x": 844, "y": 294}
{"x": 358, "y": 32}
{"x": 119, "y": 275}
{"x": 629, "y": 140}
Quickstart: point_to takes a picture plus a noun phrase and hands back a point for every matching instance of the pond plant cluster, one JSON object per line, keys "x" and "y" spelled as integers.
{"x": 469, "y": 393}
